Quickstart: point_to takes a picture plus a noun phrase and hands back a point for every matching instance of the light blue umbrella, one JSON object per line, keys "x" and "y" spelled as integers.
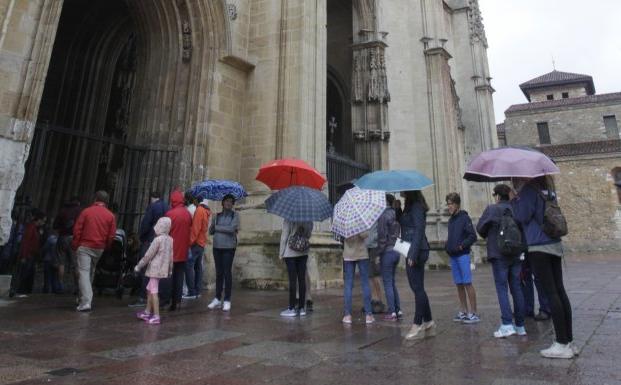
{"x": 299, "y": 204}
{"x": 394, "y": 181}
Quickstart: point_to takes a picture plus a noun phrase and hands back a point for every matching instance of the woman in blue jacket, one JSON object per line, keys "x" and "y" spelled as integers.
{"x": 545, "y": 256}
{"x": 413, "y": 223}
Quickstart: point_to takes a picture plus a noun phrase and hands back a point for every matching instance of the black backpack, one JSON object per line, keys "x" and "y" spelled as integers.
{"x": 298, "y": 242}
{"x": 510, "y": 240}
{"x": 554, "y": 223}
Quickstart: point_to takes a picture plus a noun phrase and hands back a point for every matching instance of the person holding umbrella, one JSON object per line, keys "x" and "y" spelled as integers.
{"x": 545, "y": 252}
{"x": 299, "y": 206}
{"x": 413, "y": 223}
{"x": 354, "y": 215}
{"x": 224, "y": 229}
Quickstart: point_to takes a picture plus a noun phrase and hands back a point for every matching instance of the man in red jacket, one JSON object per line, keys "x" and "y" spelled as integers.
{"x": 181, "y": 225}
{"x": 92, "y": 233}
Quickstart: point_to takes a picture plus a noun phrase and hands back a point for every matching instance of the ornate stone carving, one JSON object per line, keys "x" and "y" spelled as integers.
{"x": 374, "y": 94}
{"x": 357, "y": 80}
{"x": 186, "y": 32}
{"x": 460, "y": 122}
{"x": 232, "y": 11}
{"x": 360, "y": 135}
{"x": 475, "y": 20}
{"x": 383, "y": 78}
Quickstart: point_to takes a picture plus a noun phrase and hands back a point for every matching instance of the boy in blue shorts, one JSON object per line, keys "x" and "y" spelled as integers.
{"x": 461, "y": 236}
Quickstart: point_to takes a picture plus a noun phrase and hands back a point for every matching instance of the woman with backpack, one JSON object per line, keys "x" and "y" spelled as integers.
{"x": 536, "y": 210}
{"x": 294, "y": 247}
{"x": 506, "y": 263}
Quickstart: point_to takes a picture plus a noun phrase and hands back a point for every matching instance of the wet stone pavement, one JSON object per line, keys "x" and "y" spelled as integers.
{"x": 44, "y": 341}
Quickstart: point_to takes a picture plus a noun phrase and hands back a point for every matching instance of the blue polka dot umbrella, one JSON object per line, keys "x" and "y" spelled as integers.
{"x": 357, "y": 211}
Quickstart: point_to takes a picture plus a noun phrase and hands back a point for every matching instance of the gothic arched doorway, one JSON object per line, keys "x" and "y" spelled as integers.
{"x": 120, "y": 104}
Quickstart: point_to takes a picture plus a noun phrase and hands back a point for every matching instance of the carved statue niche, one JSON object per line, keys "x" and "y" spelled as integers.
{"x": 186, "y": 32}
{"x": 374, "y": 94}
{"x": 357, "y": 79}
{"x": 385, "y": 94}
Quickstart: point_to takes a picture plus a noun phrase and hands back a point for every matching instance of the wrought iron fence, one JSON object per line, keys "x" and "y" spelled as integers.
{"x": 342, "y": 170}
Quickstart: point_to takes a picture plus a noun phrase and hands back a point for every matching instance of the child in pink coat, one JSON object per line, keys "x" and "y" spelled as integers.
{"x": 159, "y": 262}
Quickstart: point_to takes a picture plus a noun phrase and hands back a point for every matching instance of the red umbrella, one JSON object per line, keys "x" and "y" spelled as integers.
{"x": 282, "y": 173}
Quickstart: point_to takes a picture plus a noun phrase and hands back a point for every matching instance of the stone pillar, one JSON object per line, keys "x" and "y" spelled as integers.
{"x": 291, "y": 51}
{"x": 370, "y": 97}
{"x": 369, "y": 93}
{"x": 26, "y": 41}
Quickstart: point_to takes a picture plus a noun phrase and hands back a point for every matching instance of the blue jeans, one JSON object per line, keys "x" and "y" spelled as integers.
{"x": 51, "y": 284}
{"x": 416, "y": 279}
{"x": 194, "y": 270}
{"x": 529, "y": 282}
{"x": 507, "y": 276}
{"x": 390, "y": 260}
{"x": 349, "y": 269}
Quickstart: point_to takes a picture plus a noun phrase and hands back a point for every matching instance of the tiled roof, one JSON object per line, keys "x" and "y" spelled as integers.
{"x": 584, "y": 148}
{"x": 582, "y": 100}
{"x": 557, "y": 78}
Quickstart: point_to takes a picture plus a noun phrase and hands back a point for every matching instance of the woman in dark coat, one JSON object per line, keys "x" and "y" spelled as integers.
{"x": 545, "y": 255}
{"x": 413, "y": 223}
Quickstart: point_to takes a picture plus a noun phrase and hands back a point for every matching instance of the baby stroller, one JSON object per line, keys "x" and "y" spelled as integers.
{"x": 112, "y": 266}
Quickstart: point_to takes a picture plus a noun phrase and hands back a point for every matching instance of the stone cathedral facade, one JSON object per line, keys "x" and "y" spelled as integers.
{"x": 136, "y": 95}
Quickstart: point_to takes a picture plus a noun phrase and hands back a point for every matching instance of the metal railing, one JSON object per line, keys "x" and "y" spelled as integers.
{"x": 341, "y": 170}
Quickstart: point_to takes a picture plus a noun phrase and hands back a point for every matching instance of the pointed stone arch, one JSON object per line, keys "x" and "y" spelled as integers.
{"x": 166, "y": 95}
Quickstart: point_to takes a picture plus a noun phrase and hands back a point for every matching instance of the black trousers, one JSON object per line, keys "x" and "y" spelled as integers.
{"x": 416, "y": 279}
{"x": 178, "y": 275}
{"x": 296, "y": 269}
{"x": 223, "y": 259}
{"x": 548, "y": 269}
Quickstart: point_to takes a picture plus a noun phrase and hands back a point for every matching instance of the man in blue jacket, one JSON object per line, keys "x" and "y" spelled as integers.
{"x": 156, "y": 209}
{"x": 461, "y": 236}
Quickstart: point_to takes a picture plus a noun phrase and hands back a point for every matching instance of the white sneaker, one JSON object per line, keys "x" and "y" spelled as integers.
{"x": 558, "y": 351}
{"x": 289, "y": 313}
{"x": 574, "y": 348}
{"x": 83, "y": 308}
{"x": 505, "y": 331}
{"x": 521, "y": 330}
{"x": 226, "y": 306}
{"x": 416, "y": 333}
{"x": 215, "y": 304}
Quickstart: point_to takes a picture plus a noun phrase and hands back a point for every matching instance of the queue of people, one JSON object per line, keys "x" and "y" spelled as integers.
{"x": 173, "y": 241}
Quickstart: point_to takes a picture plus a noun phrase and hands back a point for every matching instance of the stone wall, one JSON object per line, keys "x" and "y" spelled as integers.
{"x": 590, "y": 202}
{"x": 541, "y": 95}
{"x": 572, "y": 124}
{"x": 26, "y": 38}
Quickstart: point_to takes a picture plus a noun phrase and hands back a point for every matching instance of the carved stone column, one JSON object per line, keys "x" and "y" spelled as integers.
{"x": 370, "y": 97}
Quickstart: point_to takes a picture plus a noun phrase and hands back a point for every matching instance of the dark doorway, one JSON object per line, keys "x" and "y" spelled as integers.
{"x": 80, "y": 143}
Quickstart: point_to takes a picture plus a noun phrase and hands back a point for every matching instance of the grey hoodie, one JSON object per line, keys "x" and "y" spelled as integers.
{"x": 224, "y": 228}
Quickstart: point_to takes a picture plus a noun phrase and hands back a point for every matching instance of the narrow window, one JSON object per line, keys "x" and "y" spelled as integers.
{"x": 565, "y": 95}
{"x": 550, "y": 97}
{"x": 616, "y": 176}
{"x": 612, "y": 129}
{"x": 544, "y": 133}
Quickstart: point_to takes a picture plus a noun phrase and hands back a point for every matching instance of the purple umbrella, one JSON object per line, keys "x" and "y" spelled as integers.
{"x": 509, "y": 162}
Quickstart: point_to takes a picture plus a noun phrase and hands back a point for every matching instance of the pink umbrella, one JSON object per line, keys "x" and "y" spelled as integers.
{"x": 509, "y": 162}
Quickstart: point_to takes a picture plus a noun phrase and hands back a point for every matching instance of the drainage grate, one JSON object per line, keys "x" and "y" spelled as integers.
{"x": 64, "y": 372}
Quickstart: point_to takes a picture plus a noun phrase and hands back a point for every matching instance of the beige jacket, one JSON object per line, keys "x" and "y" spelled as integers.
{"x": 355, "y": 248}
{"x": 159, "y": 256}
{"x": 288, "y": 229}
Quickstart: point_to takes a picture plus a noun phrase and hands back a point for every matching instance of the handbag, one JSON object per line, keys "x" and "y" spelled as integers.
{"x": 402, "y": 247}
{"x": 298, "y": 242}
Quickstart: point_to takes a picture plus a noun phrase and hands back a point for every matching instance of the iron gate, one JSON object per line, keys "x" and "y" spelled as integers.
{"x": 66, "y": 162}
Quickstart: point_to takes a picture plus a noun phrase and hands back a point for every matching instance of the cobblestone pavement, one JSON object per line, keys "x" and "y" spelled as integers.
{"x": 43, "y": 340}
